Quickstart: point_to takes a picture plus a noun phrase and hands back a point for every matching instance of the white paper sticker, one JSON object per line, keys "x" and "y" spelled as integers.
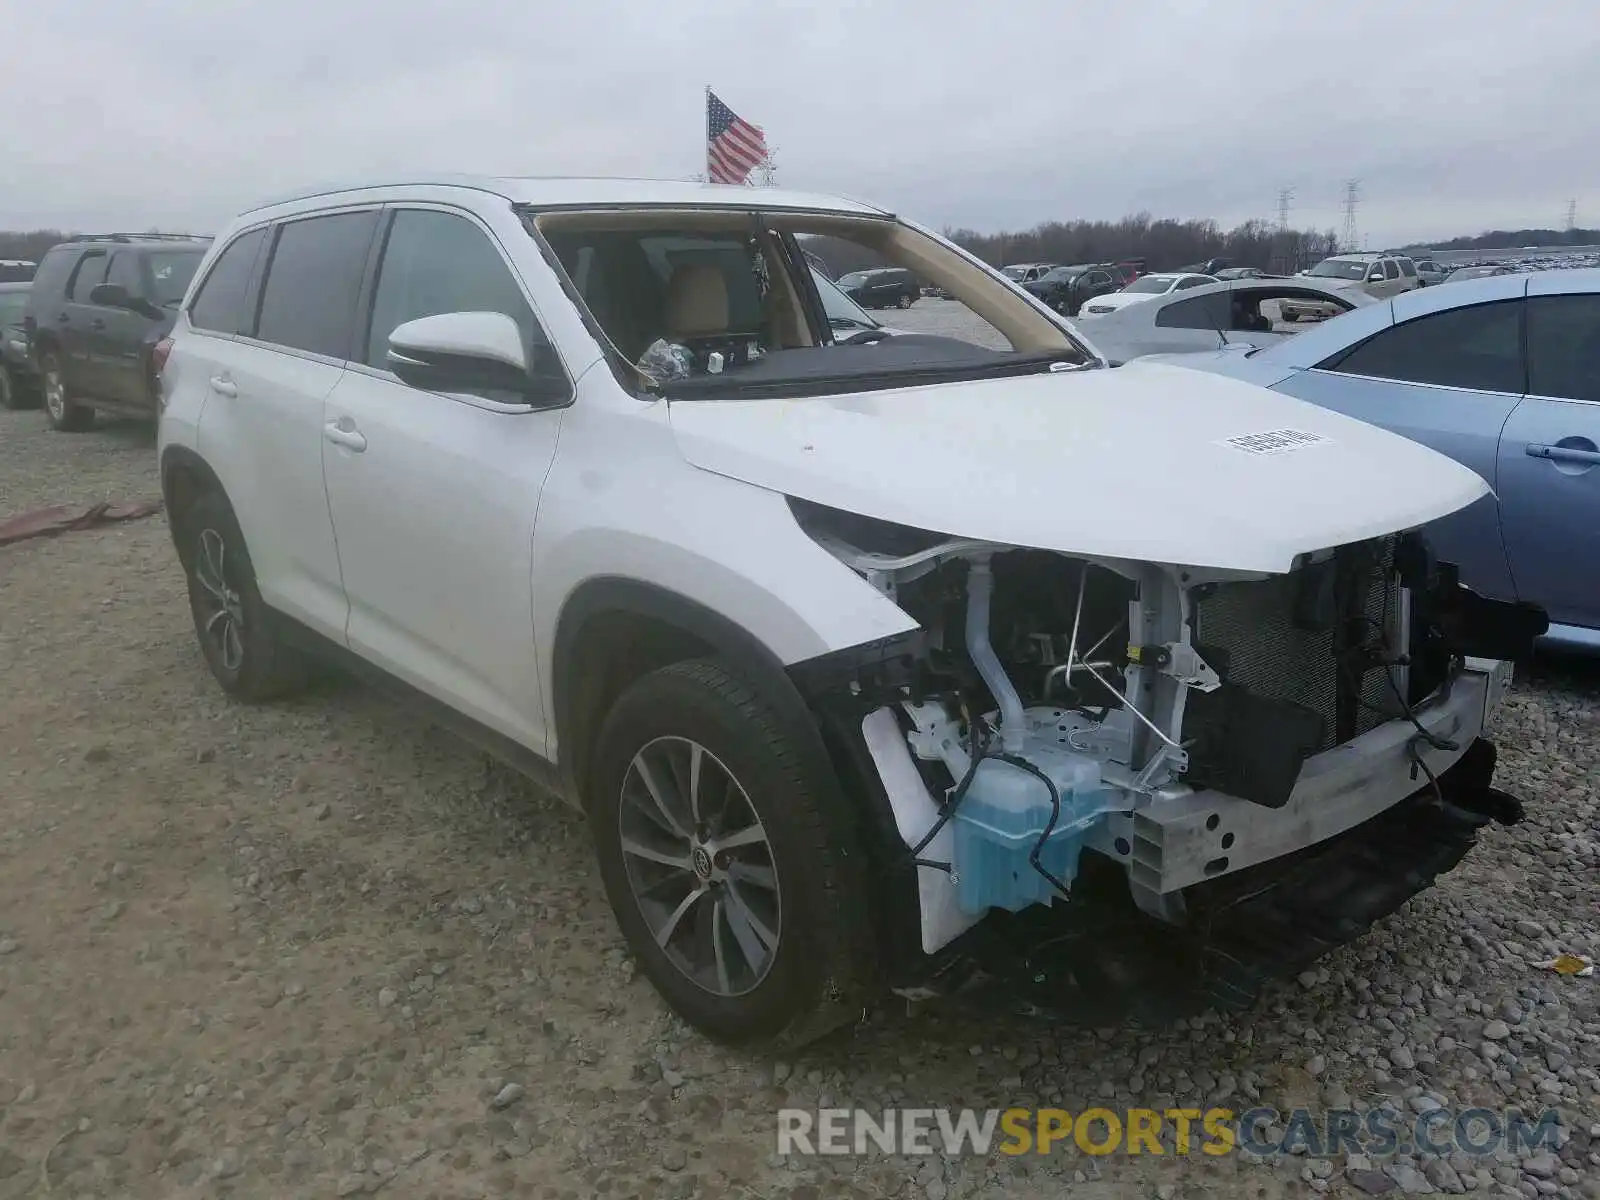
{"x": 1274, "y": 441}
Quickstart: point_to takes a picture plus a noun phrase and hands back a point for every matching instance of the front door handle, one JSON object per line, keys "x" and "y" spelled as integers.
{"x": 344, "y": 433}
{"x": 223, "y": 386}
{"x": 62, "y": 319}
{"x": 1571, "y": 454}
{"x": 97, "y": 323}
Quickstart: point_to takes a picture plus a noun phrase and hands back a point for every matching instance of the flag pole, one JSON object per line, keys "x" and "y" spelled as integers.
{"x": 706, "y": 136}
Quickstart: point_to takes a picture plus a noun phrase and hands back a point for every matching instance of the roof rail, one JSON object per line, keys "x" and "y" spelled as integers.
{"x": 141, "y": 237}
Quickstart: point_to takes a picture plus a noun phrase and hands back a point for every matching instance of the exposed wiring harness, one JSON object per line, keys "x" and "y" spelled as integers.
{"x": 981, "y": 739}
{"x": 1380, "y": 656}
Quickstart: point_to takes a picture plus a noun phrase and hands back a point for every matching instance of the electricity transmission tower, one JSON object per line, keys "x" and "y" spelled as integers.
{"x": 1285, "y": 197}
{"x": 1352, "y": 199}
{"x": 1572, "y": 215}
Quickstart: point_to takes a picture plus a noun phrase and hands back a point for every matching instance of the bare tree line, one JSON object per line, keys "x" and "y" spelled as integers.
{"x": 1163, "y": 244}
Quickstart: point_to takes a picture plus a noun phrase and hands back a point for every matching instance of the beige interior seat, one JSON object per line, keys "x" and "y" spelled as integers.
{"x": 697, "y": 302}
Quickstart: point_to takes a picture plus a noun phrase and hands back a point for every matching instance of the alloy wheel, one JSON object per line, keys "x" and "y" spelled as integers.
{"x": 55, "y": 394}
{"x": 700, "y": 866}
{"x": 224, "y": 624}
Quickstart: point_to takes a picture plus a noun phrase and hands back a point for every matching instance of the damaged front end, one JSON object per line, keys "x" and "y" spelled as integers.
{"x": 1196, "y": 759}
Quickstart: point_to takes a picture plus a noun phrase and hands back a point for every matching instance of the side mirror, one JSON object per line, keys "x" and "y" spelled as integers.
{"x": 1375, "y": 277}
{"x": 480, "y": 353}
{"x": 111, "y": 295}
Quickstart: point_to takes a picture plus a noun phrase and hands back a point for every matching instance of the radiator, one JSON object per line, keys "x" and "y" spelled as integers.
{"x": 1269, "y": 654}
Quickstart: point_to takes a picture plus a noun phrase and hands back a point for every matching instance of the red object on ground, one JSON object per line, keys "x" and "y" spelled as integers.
{"x": 64, "y": 518}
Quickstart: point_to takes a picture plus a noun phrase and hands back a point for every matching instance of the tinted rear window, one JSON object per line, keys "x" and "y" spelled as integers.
{"x": 309, "y": 301}
{"x": 223, "y": 302}
{"x": 1479, "y": 347}
{"x": 50, "y": 283}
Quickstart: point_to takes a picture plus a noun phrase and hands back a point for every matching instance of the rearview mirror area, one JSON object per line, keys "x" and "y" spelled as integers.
{"x": 477, "y": 353}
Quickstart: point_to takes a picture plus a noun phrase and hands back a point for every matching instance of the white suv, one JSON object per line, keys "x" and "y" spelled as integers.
{"x": 1380, "y": 275}
{"x": 842, "y": 645}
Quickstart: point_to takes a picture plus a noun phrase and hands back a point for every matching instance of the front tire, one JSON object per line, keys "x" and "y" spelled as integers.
{"x": 907, "y": 301}
{"x": 64, "y": 414}
{"x": 237, "y": 635}
{"x": 729, "y": 858}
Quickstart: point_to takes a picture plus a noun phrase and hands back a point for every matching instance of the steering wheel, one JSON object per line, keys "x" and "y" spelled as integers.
{"x": 865, "y": 338}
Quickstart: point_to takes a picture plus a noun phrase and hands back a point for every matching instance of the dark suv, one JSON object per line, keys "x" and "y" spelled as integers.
{"x": 96, "y": 310}
{"x": 18, "y": 381}
{"x": 882, "y": 287}
{"x": 1066, "y": 288}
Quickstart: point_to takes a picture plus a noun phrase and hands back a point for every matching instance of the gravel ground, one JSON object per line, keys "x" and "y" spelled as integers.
{"x": 317, "y": 948}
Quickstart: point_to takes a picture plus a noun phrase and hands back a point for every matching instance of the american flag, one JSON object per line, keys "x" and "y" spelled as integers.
{"x": 733, "y": 146}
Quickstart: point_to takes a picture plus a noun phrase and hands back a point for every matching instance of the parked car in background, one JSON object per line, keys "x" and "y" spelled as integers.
{"x": 1478, "y": 272}
{"x": 1380, "y": 275}
{"x": 1243, "y": 313}
{"x": 97, "y": 309}
{"x": 1146, "y": 287}
{"x": 519, "y": 452}
{"x": 19, "y": 381}
{"x": 1429, "y": 272}
{"x": 1452, "y": 368}
{"x": 1241, "y": 273}
{"x": 846, "y": 318}
{"x": 17, "y": 270}
{"x": 1027, "y": 272}
{"x": 1210, "y": 267}
{"x": 1065, "y": 289}
{"x": 881, "y": 287}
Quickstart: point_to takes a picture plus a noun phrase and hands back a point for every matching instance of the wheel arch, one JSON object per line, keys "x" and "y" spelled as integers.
{"x": 184, "y": 477}
{"x": 614, "y": 629}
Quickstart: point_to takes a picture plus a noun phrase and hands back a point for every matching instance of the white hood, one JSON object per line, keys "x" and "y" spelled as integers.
{"x": 1131, "y": 463}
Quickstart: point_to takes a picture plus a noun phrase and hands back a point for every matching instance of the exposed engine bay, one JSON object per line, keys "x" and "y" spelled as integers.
{"x": 1183, "y": 724}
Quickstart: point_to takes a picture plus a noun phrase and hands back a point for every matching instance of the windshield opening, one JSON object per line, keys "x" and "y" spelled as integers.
{"x": 1340, "y": 268}
{"x": 727, "y": 301}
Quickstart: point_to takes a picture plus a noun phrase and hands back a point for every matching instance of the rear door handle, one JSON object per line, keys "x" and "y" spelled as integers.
{"x": 223, "y": 387}
{"x": 62, "y": 318}
{"x": 97, "y": 323}
{"x": 1563, "y": 454}
{"x": 344, "y": 433}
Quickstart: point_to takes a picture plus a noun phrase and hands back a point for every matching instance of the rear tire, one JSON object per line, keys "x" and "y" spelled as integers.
{"x": 907, "y": 301}
{"x": 237, "y": 635}
{"x": 766, "y": 942}
{"x": 63, "y": 413}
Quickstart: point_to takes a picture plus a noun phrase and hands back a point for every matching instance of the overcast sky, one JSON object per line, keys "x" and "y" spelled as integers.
{"x": 1457, "y": 115}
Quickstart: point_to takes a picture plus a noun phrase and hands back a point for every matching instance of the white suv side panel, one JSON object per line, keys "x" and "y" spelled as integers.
{"x": 260, "y": 428}
{"x": 435, "y": 526}
{"x": 621, "y": 499}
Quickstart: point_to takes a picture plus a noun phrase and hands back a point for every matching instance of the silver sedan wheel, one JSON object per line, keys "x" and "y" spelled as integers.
{"x": 700, "y": 866}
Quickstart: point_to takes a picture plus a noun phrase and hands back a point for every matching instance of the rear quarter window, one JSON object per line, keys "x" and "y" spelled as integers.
{"x": 222, "y": 304}
{"x": 50, "y": 282}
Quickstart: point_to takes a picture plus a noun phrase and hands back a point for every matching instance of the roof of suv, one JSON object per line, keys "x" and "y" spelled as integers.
{"x": 152, "y": 240}
{"x": 562, "y": 192}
